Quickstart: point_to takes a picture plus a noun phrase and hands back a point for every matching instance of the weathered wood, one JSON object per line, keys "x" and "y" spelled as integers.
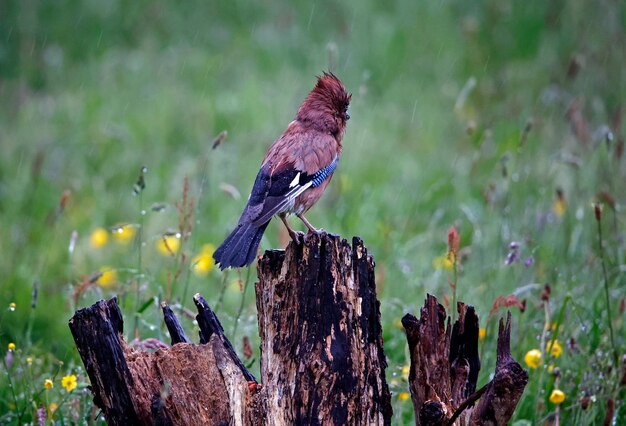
{"x": 322, "y": 359}
{"x": 210, "y": 325}
{"x": 177, "y": 333}
{"x": 502, "y": 394}
{"x": 445, "y": 366}
{"x": 184, "y": 384}
{"x": 429, "y": 373}
{"x": 464, "y": 357}
{"x": 97, "y": 331}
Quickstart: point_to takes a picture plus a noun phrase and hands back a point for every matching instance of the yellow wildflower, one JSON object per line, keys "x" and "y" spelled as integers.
{"x": 559, "y": 207}
{"x": 168, "y": 245}
{"x": 560, "y": 204}
{"x": 443, "y": 262}
{"x": 482, "y": 333}
{"x": 403, "y": 396}
{"x": 108, "y": 277}
{"x": 69, "y": 382}
{"x": 405, "y": 372}
{"x": 556, "y": 350}
{"x": 557, "y": 396}
{"x": 533, "y": 358}
{"x": 124, "y": 234}
{"x": 48, "y": 384}
{"x": 11, "y": 347}
{"x": 203, "y": 262}
{"x": 52, "y": 407}
{"x": 29, "y": 360}
{"x": 99, "y": 237}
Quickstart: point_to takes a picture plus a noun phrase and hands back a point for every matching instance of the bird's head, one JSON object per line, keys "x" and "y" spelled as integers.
{"x": 326, "y": 107}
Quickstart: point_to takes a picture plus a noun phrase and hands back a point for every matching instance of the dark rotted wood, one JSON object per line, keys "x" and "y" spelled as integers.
{"x": 444, "y": 370}
{"x": 210, "y": 325}
{"x": 180, "y": 385}
{"x": 97, "y": 332}
{"x": 502, "y": 394}
{"x": 429, "y": 347}
{"x": 177, "y": 333}
{"x": 322, "y": 359}
{"x": 464, "y": 357}
{"x": 432, "y": 413}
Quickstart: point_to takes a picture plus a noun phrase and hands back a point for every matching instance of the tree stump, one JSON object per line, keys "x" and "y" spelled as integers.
{"x": 445, "y": 366}
{"x": 322, "y": 359}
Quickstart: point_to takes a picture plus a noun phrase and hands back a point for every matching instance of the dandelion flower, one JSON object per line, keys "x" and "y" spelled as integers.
{"x": 482, "y": 333}
{"x": 556, "y": 350}
{"x": 557, "y": 396}
{"x": 168, "y": 245}
{"x": 99, "y": 238}
{"x": 403, "y": 396}
{"x": 11, "y": 347}
{"x": 69, "y": 382}
{"x": 533, "y": 358}
{"x": 443, "y": 262}
{"x": 204, "y": 262}
{"x": 108, "y": 277}
{"x": 124, "y": 234}
{"x": 48, "y": 384}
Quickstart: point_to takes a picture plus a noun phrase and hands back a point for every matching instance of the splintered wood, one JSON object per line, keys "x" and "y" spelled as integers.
{"x": 445, "y": 366}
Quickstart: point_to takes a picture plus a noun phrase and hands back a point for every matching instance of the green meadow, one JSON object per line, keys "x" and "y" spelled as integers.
{"x": 504, "y": 119}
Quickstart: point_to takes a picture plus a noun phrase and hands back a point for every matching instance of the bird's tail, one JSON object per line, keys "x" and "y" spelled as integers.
{"x": 240, "y": 247}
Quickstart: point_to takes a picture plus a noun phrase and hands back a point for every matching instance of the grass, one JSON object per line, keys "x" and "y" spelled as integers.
{"x": 468, "y": 114}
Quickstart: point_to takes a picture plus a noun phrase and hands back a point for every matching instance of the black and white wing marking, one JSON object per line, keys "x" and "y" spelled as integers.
{"x": 276, "y": 194}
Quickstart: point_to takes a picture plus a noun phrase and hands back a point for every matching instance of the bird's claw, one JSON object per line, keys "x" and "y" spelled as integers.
{"x": 297, "y": 237}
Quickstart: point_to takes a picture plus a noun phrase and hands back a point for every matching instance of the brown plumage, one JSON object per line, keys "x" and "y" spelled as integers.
{"x": 295, "y": 171}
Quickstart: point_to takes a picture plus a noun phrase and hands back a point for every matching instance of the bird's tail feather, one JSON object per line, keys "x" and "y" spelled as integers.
{"x": 240, "y": 247}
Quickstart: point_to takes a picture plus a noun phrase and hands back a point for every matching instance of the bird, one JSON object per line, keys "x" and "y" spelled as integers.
{"x": 294, "y": 173}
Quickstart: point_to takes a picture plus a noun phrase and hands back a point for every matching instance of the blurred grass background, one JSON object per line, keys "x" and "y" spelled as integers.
{"x": 471, "y": 114}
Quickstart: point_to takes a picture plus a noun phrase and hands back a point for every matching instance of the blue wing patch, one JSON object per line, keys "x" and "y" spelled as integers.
{"x": 321, "y": 175}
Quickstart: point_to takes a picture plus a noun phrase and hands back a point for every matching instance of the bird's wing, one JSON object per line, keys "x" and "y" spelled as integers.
{"x": 283, "y": 189}
{"x": 300, "y": 159}
{"x": 273, "y": 194}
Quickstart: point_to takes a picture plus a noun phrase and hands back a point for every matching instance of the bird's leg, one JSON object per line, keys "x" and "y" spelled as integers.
{"x": 307, "y": 223}
{"x": 293, "y": 234}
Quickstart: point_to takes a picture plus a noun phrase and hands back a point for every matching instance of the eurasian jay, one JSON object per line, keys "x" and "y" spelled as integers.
{"x": 295, "y": 171}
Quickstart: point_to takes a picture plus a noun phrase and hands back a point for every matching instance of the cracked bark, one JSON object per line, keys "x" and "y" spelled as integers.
{"x": 322, "y": 359}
